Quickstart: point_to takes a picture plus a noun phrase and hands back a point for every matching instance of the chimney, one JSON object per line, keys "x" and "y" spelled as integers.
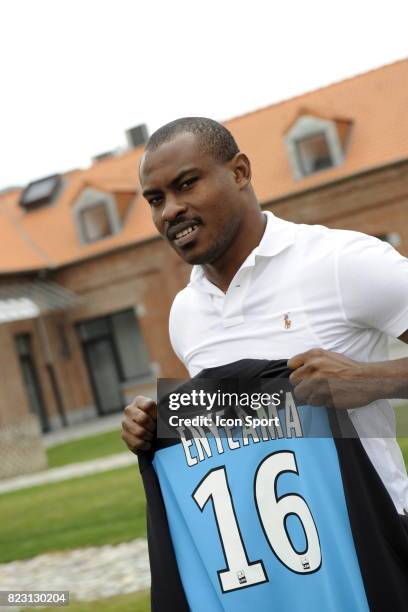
{"x": 137, "y": 136}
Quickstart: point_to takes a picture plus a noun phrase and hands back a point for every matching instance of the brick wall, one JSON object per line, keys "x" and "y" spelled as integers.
{"x": 374, "y": 202}
{"x": 148, "y": 275}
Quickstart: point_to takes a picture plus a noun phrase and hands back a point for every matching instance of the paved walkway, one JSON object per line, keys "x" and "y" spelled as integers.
{"x": 94, "y": 426}
{"x": 88, "y": 573}
{"x": 66, "y": 472}
{"x": 83, "y": 430}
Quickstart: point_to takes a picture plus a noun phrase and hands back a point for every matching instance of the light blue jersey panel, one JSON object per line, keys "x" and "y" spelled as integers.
{"x": 263, "y": 526}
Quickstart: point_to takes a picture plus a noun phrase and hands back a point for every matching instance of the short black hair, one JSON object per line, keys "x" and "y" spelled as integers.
{"x": 213, "y": 136}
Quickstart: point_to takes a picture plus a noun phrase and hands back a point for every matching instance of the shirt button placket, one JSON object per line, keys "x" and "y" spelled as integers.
{"x": 234, "y": 300}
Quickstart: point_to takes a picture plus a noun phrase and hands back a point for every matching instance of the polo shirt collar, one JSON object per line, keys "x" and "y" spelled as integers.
{"x": 278, "y": 236}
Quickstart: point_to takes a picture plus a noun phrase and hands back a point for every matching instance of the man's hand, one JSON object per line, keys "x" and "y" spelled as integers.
{"x": 323, "y": 378}
{"x": 139, "y": 424}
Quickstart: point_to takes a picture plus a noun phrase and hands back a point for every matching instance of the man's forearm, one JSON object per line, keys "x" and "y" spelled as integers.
{"x": 387, "y": 379}
{"x": 324, "y": 378}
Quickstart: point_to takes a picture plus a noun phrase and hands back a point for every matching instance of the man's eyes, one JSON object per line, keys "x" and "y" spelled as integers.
{"x": 183, "y": 186}
{"x": 188, "y": 182}
{"x": 155, "y": 200}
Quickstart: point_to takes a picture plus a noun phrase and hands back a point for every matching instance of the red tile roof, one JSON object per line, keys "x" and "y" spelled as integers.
{"x": 376, "y": 103}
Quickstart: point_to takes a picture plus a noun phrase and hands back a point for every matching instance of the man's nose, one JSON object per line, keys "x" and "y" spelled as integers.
{"x": 172, "y": 208}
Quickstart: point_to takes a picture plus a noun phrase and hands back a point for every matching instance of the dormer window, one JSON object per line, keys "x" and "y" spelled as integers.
{"x": 315, "y": 144}
{"x": 95, "y": 222}
{"x": 96, "y": 215}
{"x": 313, "y": 153}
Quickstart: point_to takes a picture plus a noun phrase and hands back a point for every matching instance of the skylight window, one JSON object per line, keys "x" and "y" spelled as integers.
{"x": 41, "y": 192}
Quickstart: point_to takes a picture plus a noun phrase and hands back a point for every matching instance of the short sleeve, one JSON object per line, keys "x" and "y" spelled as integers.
{"x": 373, "y": 284}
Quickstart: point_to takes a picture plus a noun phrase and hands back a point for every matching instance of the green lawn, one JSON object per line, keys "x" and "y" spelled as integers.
{"x": 403, "y": 442}
{"x": 401, "y": 416}
{"x": 105, "y": 508}
{"x": 85, "y": 449}
{"x": 133, "y": 602}
{"x": 110, "y": 443}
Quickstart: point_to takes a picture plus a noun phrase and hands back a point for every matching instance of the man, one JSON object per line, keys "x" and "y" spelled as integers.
{"x": 264, "y": 288}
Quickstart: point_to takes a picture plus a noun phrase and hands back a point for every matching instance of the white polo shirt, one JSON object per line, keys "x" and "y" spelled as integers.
{"x": 304, "y": 287}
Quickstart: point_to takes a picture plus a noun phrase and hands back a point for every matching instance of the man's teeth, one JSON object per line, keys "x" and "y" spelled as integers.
{"x": 186, "y": 231}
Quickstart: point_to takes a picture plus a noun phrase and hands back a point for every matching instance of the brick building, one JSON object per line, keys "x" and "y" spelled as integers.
{"x": 86, "y": 283}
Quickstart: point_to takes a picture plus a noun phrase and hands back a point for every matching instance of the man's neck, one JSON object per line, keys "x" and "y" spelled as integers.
{"x": 221, "y": 272}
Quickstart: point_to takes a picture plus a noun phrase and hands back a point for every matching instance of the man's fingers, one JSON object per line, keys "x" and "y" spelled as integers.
{"x": 133, "y": 443}
{"x": 139, "y": 424}
{"x": 302, "y": 391}
{"x": 296, "y": 361}
{"x": 143, "y": 404}
{"x": 143, "y": 419}
{"x": 151, "y": 410}
{"x": 299, "y": 374}
{"x": 146, "y": 404}
{"x": 314, "y": 393}
{"x": 142, "y": 410}
{"x": 307, "y": 357}
{"x": 137, "y": 430}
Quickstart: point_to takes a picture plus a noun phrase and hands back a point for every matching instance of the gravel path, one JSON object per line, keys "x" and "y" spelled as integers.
{"x": 88, "y": 573}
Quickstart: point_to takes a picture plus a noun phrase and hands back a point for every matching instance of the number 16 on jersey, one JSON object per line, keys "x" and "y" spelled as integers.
{"x": 273, "y": 512}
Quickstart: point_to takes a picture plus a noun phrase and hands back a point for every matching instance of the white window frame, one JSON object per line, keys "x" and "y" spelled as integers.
{"x": 306, "y": 127}
{"x": 89, "y": 198}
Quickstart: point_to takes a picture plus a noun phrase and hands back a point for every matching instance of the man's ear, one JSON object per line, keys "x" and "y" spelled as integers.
{"x": 241, "y": 166}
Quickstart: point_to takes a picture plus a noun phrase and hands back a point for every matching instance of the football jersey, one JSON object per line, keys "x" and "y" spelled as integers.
{"x": 291, "y": 518}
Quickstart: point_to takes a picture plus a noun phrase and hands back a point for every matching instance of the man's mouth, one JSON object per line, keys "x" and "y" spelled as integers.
{"x": 186, "y": 235}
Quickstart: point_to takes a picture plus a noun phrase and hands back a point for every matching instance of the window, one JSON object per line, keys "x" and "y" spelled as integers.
{"x": 131, "y": 348}
{"x": 30, "y": 378}
{"x": 313, "y": 154}
{"x": 122, "y": 328}
{"x": 315, "y": 144}
{"x": 40, "y": 192}
{"x": 95, "y": 222}
{"x": 115, "y": 355}
{"x": 96, "y": 215}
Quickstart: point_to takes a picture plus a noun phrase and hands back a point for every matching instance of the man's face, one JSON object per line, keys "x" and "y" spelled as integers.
{"x": 194, "y": 199}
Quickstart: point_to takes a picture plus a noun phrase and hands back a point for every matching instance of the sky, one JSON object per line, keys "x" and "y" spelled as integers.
{"x": 75, "y": 74}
